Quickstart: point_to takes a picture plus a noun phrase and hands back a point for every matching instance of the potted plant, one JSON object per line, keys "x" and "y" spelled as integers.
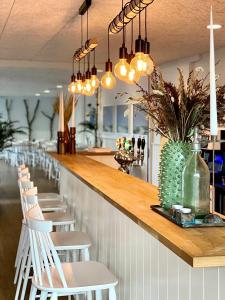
{"x": 174, "y": 112}
{"x": 7, "y": 132}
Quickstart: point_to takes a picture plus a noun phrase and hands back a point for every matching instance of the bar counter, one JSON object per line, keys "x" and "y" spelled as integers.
{"x": 114, "y": 208}
{"x": 203, "y": 247}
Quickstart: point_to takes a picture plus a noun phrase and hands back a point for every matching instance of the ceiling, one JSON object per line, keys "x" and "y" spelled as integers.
{"x": 38, "y": 38}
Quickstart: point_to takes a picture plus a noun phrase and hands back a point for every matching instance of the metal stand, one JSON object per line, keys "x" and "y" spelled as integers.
{"x": 72, "y": 142}
{"x": 61, "y": 142}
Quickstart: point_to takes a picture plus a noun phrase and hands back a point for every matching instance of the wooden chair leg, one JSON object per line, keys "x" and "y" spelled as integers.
{"x": 112, "y": 293}
{"x": 33, "y": 292}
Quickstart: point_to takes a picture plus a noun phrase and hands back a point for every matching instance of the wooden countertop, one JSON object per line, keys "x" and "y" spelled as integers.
{"x": 199, "y": 247}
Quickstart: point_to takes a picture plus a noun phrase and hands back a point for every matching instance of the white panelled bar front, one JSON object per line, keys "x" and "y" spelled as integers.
{"x": 146, "y": 269}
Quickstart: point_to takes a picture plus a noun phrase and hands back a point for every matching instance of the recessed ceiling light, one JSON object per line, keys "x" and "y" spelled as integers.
{"x": 59, "y": 86}
{"x": 37, "y": 94}
{"x": 215, "y": 26}
{"x": 46, "y": 91}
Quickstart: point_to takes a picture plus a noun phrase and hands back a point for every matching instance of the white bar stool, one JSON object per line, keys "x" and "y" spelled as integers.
{"x": 55, "y": 279}
{"x": 63, "y": 241}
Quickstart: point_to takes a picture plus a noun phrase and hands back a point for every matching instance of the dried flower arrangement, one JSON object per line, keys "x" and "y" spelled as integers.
{"x": 68, "y": 107}
{"x": 175, "y": 111}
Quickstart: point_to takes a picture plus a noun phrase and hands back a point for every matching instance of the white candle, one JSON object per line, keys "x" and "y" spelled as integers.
{"x": 213, "y": 105}
{"x": 73, "y": 112}
{"x": 61, "y": 112}
{"x": 59, "y": 121}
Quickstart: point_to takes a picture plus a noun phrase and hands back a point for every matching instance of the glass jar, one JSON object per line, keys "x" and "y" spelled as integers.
{"x": 196, "y": 182}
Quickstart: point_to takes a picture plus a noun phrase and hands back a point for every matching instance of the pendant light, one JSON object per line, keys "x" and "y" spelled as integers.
{"x": 88, "y": 86}
{"x": 72, "y": 85}
{"x": 122, "y": 67}
{"x": 108, "y": 81}
{"x": 94, "y": 78}
{"x": 79, "y": 81}
{"x": 148, "y": 65}
{"x": 83, "y": 91}
{"x": 137, "y": 63}
{"x": 132, "y": 75}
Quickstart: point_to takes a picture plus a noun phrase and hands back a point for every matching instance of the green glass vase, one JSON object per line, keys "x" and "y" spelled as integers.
{"x": 173, "y": 158}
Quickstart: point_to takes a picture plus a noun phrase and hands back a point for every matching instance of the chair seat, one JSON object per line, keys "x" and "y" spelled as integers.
{"x": 59, "y": 218}
{"x": 71, "y": 240}
{"x": 80, "y": 277}
{"x": 52, "y": 205}
{"x": 48, "y": 196}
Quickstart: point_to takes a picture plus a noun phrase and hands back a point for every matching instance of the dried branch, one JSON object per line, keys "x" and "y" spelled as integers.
{"x": 8, "y": 106}
{"x": 30, "y": 119}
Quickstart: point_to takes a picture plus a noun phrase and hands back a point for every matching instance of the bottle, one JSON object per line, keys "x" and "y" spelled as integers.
{"x": 196, "y": 181}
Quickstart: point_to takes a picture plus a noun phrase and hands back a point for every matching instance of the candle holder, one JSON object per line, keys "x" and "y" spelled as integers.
{"x": 61, "y": 142}
{"x": 72, "y": 141}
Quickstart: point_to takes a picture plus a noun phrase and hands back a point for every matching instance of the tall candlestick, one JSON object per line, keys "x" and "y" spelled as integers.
{"x": 59, "y": 121}
{"x": 73, "y": 112}
{"x": 61, "y": 112}
{"x": 213, "y": 105}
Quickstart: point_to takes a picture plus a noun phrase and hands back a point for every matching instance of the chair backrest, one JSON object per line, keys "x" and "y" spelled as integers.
{"x": 25, "y": 184}
{"x": 21, "y": 168}
{"x": 23, "y": 172}
{"x": 43, "y": 251}
{"x": 28, "y": 200}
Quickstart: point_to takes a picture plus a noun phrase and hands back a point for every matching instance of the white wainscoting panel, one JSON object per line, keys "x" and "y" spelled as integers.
{"x": 145, "y": 268}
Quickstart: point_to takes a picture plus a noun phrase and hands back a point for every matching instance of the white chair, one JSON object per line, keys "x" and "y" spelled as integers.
{"x": 47, "y": 205}
{"x": 55, "y": 279}
{"x": 63, "y": 241}
{"x": 59, "y": 219}
{"x": 41, "y": 196}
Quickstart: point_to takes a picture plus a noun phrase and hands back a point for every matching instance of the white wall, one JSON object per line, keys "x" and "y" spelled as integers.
{"x": 41, "y": 123}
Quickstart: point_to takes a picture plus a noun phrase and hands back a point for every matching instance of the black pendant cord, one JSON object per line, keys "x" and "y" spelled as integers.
{"x": 123, "y": 25}
{"x": 108, "y": 46}
{"x": 84, "y": 65}
{"x": 132, "y": 36}
{"x": 88, "y": 61}
{"x": 73, "y": 65}
{"x": 146, "y": 32}
{"x": 94, "y": 57}
{"x": 139, "y": 20}
{"x": 81, "y": 40}
{"x": 79, "y": 65}
{"x": 87, "y": 25}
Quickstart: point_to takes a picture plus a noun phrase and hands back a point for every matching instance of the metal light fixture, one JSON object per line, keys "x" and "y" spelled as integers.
{"x": 90, "y": 44}
{"x": 79, "y": 81}
{"x": 72, "y": 85}
{"x": 122, "y": 67}
{"x": 138, "y": 62}
{"x": 94, "y": 78}
{"x": 88, "y": 86}
{"x": 148, "y": 65}
{"x": 108, "y": 81}
{"x": 129, "y": 12}
{"x": 132, "y": 75}
{"x": 83, "y": 91}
